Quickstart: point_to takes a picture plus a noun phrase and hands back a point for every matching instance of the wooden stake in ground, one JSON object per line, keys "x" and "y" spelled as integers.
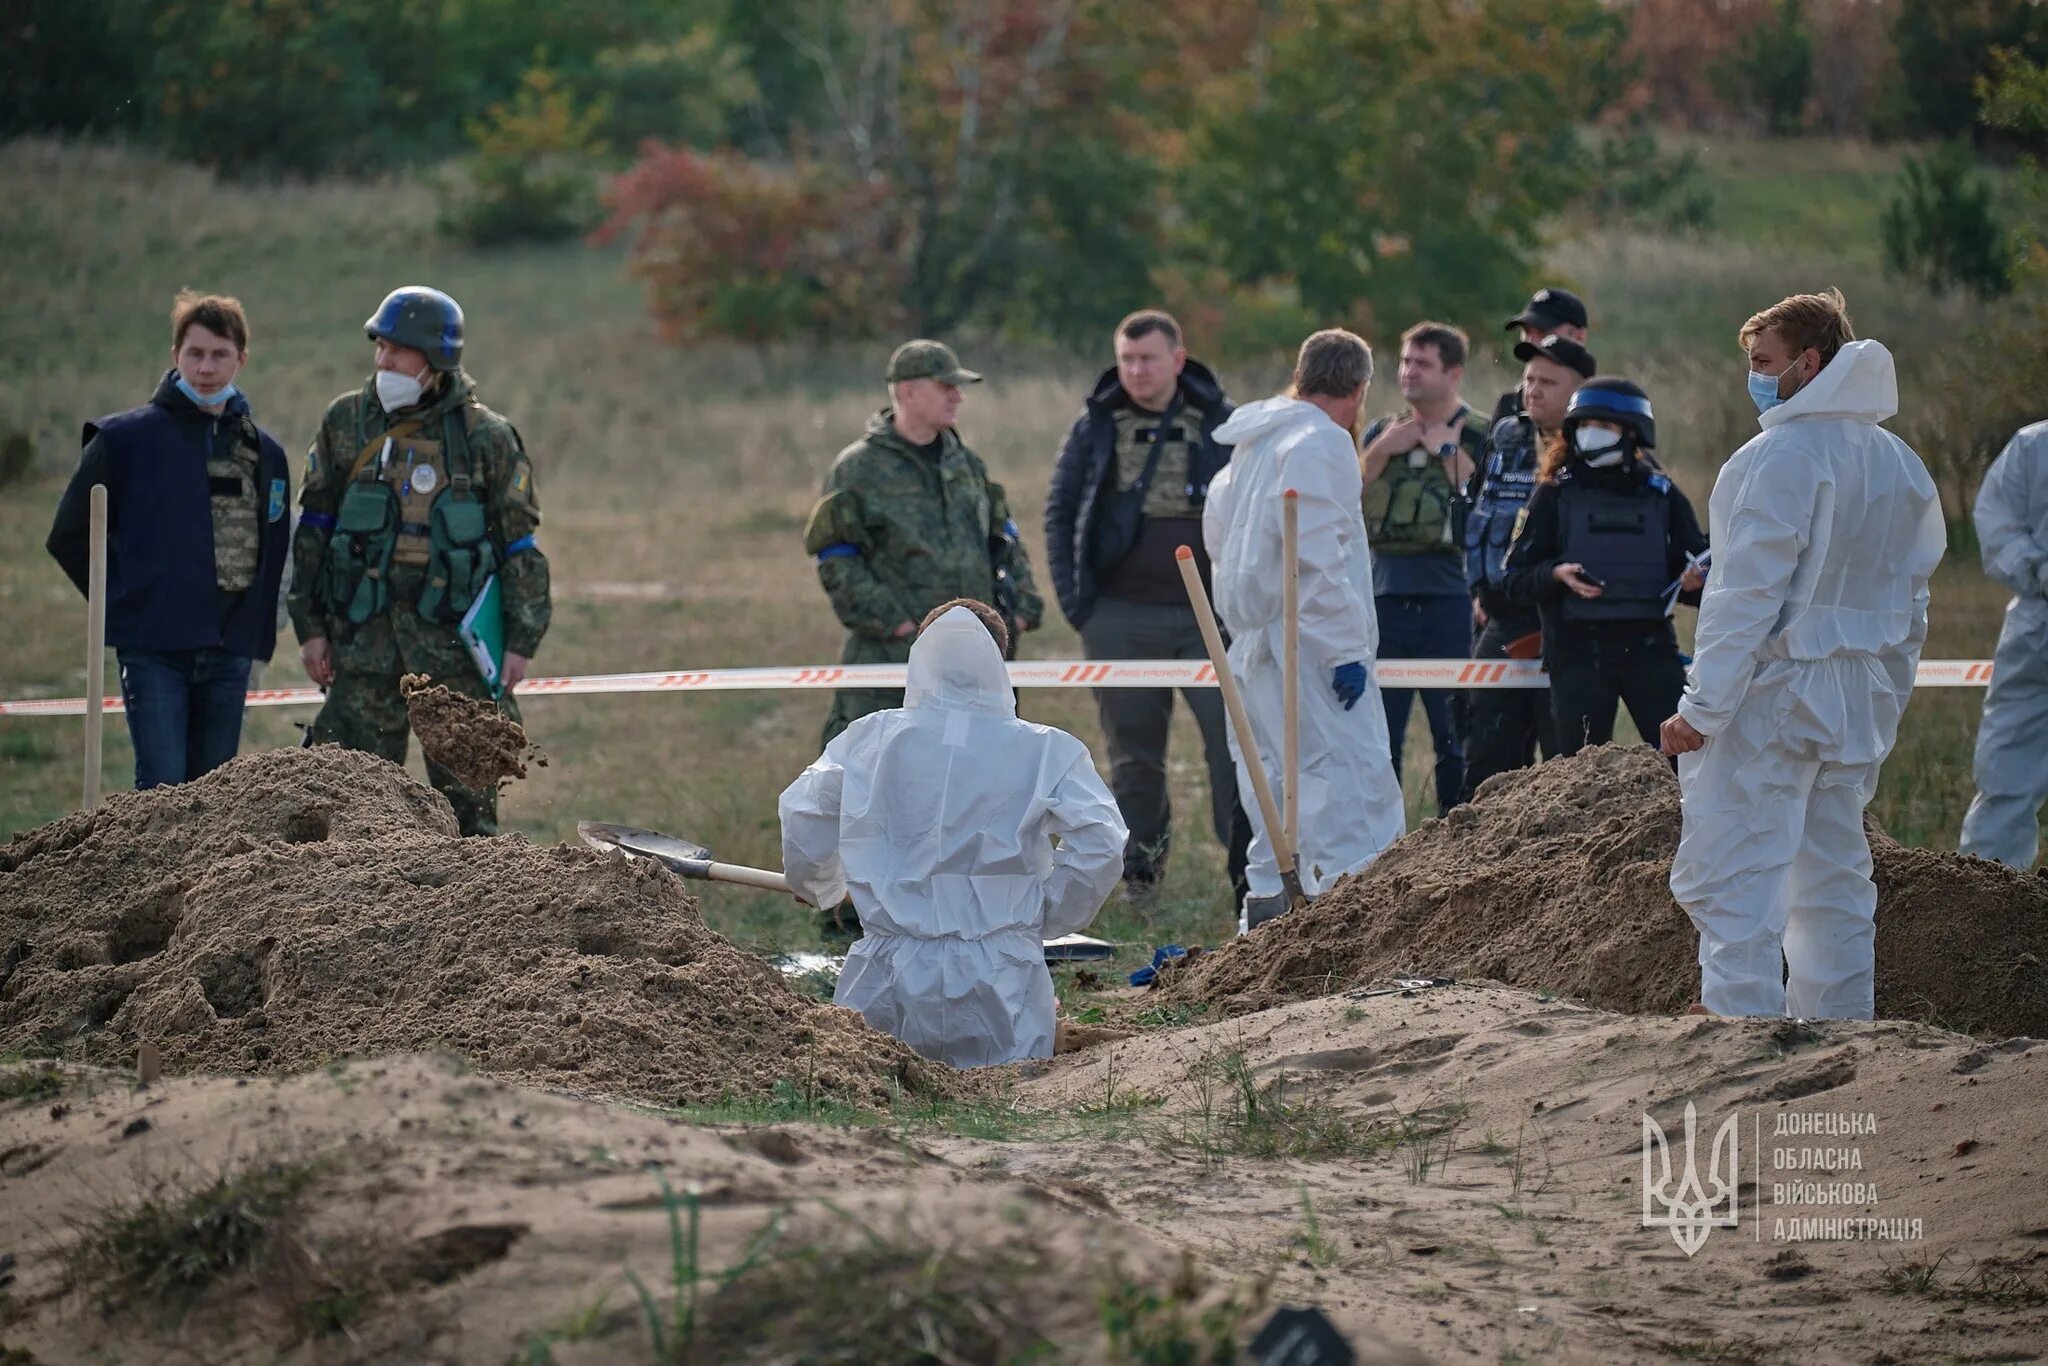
{"x": 95, "y": 644}
{"x": 1241, "y": 722}
{"x": 1290, "y": 552}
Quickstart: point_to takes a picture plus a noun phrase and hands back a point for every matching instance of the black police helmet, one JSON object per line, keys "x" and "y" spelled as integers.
{"x": 1612, "y": 399}
{"x": 425, "y": 319}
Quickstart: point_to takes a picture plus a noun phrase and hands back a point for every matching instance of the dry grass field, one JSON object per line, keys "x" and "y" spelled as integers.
{"x": 674, "y": 485}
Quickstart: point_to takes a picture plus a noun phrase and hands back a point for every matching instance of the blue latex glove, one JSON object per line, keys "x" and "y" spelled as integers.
{"x": 1348, "y": 682}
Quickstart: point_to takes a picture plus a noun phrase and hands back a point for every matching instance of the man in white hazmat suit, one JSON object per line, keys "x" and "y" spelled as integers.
{"x": 1350, "y": 800}
{"x": 938, "y": 817}
{"x": 1826, "y": 530}
{"x": 2012, "y": 742}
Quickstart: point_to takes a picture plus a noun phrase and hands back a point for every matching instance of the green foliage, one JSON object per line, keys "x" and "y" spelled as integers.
{"x": 1147, "y": 1326}
{"x": 1391, "y": 160}
{"x": 177, "y": 1243}
{"x": 1632, "y": 179}
{"x": 71, "y": 66}
{"x": 31, "y": 1082}
{"x": 1769, "y": 70}
{"x": 2014, "y": 97}
{"x": 1945, "y": 49}
{"x": 1942, "y": 227}
{"x": 289, "y": 85}
{"x": 687, "y": 88}
{"x": 533, "y": 175}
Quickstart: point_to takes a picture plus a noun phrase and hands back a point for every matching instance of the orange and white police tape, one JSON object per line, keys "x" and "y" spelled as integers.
{"x": 1026, "y": 673}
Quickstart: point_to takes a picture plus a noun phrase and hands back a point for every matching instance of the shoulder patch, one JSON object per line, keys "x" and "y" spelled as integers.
{"x": 277, "y": 492}
{"x": 1521, "y": 520}
{"x": 1660, "y": 483}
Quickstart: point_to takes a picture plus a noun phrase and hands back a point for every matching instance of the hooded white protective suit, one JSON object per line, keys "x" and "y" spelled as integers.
{"x": 2012, "y": 742}
{"x": 938, "y": 818}
{"x": 1826, "y": 530}
{"x": 1350, "y": 800}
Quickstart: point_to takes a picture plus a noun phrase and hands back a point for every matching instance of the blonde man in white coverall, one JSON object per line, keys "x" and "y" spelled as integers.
{"x": 1350, "y": 800}
{"x": 939, "y": 818}
{"x": 2012, "y": 742}
{"x": 1826, "y": 530}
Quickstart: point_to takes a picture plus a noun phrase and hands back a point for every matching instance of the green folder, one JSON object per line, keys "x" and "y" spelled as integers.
{"x": 483, "y": 631}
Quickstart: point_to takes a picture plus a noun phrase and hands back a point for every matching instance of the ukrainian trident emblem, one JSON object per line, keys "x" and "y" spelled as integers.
{"x": 1695, "y": 1208}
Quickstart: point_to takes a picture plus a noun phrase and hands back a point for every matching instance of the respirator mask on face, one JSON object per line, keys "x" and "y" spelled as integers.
{"x": 396, "y": 390}
{"x": 1598, "y": 447}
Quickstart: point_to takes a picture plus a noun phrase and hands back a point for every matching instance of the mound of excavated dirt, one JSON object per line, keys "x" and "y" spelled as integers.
{"x": 1556, "y": 878}
{"x": 302, "y": 905}
{"x": 473, "y": 740}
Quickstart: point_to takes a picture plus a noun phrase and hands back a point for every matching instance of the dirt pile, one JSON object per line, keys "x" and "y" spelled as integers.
{"x": 303, "y": 905}
{"x": 1556, "y": 879}
{"x": 472, "y": 739}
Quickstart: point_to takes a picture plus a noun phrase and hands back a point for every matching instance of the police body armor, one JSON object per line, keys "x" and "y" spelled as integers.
{"x": 1509, "y": 481}
{"x": 1621, "y": 536}
{"x": 409, "y": 504}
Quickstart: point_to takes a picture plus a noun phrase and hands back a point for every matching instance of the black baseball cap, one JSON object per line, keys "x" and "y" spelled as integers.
{"x": 1563, "y": 350}
{"x": 1550, "y": 309}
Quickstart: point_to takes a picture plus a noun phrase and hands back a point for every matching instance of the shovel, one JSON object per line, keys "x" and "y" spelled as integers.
{"x": 694, "y": 861}
{"x": 1240, "y": 721}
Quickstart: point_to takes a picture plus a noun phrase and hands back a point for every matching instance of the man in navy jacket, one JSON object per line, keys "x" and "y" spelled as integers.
{"x": 1127, "y": 491}
{"x": 197, "y": 535}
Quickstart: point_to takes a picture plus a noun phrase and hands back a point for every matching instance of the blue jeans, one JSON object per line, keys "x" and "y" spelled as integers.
{"x": 184, "y": 711}
{"x": 1427, "y": 626}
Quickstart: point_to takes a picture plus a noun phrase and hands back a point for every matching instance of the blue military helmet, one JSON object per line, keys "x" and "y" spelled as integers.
{"x": 423, "y": 318}
{"x": 1612, "y": 399}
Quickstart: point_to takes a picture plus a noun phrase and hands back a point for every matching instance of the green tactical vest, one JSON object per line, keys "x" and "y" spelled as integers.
{"x": 1414, "y": 508}
{"x": 409, "y": 502}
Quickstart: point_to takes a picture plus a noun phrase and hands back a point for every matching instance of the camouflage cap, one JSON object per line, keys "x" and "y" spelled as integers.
{"x": 928, "y": 360}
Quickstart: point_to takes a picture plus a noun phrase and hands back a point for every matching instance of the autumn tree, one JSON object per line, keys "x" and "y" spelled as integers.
{"x": 1393, "y": 159}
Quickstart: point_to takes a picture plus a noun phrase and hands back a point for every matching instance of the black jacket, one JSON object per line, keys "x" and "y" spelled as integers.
{"x": 1083, "y": 474}
{"x": 1538, "y": 550}
{"x": 161, "y": 592}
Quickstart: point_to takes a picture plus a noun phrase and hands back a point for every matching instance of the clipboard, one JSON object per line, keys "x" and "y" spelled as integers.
{"x": 483, "y": 634}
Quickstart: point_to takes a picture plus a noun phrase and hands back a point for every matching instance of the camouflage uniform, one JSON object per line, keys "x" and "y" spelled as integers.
{"x": 364, "y": 709}
{"x": 895, "y": 535}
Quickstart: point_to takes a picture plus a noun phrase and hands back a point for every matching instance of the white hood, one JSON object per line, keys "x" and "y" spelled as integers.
{"x": 955, "y": 664}
{"x": 1268, "y": 414}
{"x": 1859, "y": 385}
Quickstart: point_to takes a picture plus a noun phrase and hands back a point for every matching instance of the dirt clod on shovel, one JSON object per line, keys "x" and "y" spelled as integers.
{"x": 468, "y": 736}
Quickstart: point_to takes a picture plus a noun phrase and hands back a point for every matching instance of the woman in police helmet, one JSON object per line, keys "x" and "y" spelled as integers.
{"x": 1606, "y": 549}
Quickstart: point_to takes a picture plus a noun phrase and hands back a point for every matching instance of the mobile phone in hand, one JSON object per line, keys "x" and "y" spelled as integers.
{"x": 1592, "y": 580}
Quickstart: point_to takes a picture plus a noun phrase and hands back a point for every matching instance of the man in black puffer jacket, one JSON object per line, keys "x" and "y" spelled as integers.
{"x": 1127, "y": 492}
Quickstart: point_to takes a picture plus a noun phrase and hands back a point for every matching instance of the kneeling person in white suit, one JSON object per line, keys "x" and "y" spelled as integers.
{"x": 1826, "y": 530}
{"x": 1351, "y": 804}
{"x": 939, "y": 818}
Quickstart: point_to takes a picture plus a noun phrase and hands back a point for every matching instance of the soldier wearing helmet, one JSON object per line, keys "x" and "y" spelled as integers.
{"x": 1605, "y": 549}
{"x": 416, "y": 496}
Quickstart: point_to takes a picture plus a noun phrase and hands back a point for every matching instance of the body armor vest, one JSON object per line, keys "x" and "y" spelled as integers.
{"x": 1622, "y": 537}
{"x": 1504, "y": 489}
{"x": 410, "y": 504}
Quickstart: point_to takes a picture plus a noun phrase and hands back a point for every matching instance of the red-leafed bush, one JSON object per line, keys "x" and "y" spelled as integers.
{"x": 731, "y": 247}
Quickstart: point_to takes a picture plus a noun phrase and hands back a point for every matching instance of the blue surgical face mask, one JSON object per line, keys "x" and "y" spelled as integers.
{"x": 1763, "y": 389}
{"x": 227, "y": 392}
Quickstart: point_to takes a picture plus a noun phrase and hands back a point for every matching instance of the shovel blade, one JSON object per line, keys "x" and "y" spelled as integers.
{"x": 641, "y": 843}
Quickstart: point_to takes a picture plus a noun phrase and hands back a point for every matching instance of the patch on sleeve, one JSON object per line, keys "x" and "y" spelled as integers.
{"x": 312, "y": 461}
{"x": 277, "y": 492}
{"x": 1521, "y": 520}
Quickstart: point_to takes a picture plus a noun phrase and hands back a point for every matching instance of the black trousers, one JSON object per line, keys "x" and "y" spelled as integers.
{"x": 1505, "y": 726}
{"x": 1135, "y": 722}
{"x": 1595, "y": 670}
